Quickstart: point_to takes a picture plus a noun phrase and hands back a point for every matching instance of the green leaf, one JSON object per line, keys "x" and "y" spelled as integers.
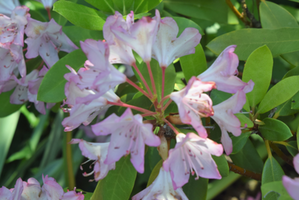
{"x": 184, "y": 23}
{"x": 275, "y": 16}
{"x": 221, "y": 164}
{"x": 194, "y": 64}
{"x": 272, "y": 171}
{"x": 295, "y": 101}
{"x": 77, "y": 34}
{"x": 279, "y": 41}
{"x": 52, "y": 87}
{"x": 212, "y": 10}
{"x": 218, "y": 96}
{"x": 155, "y": 173}
{"x": 275, "y": 130}
{"x": 143, "y": 6}
{"x": 79, "y": 15}
{"x": 196, "y": 189}
{"x": 245, "y": 121}
{"x": 239, "y": 142}
{"x": 275, "y": 190}
{"x": 292, "y": 72}
{"x": 6, "y": 107}
{"x": 279, "y": 93}
{"x": 8, "y": 126}
{"x": 259, "y": 63}
{"x": 118, "y": 184}
{"x": 248, "y": 158}
{"x": 292, "y": 148}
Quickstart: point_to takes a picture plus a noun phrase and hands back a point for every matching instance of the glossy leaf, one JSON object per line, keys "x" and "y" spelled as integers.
{"x": 222, "y": 165}
{"x": 272, "y": 171}
{"x": 194, "y": 64}
{"x": 247, "y": 40}
{"x": 275, "y": 16}
{"x": 212, "y": 10}
{"x": 275, "y": 190}
{"x": 196, "y": 189}
{"x": 275, "y": 130}
{"x": 79, "y": 15}
{"x": 279, "y": 93}
{"x": 218, "y": 96}
{"x": 245, "y": 121}
{"x": 292, "y": 148}
{"x": 259, "y": 64}
{"x": 184, "y": 23}
{"x": 52, "y": 86}
{"x": 248, "y": 158}
{"x": 6, "y": 107}
{"x": 118, "y": 184}
{"x": 295, "y": 101}
{"x": 239, "y": 142}
{"x": 155, "y": 173}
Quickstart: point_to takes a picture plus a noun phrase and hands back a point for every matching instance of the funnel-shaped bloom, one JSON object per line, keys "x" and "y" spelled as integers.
{"x": 161, "y": 189}
{"x": 292, "y": 185}
{"x": 223, "y": 72}
{"x": 128, "y": 135}
{"x": 227, "y": 121}
{"x": 46, "y": 39}
{"x": 193, "y": 104}
{"x": 192, "y": 153}
{"x": 168, "y": 47}
{"x": 97, "y": 152}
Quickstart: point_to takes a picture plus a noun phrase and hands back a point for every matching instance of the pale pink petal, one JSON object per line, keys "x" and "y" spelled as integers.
{"x": 291, "y": 186}
{"x": 53, "y": 190}
{"x": 72, "y": 195}
{"x": 5, "y": 194}
{"x": 296, "y": 163}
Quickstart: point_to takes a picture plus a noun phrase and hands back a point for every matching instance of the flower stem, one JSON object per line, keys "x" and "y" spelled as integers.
{"x": 70, "y": 172}
{"x": 244, "y": 172}
{"x": 287, "y": 159}
{"x": 163, "y": 82}
{"x": 138, "y": 88}
{"x": 49, "y": 13}
{"x": 167, "y": 104}
{"x": 151, "y": 77}
{"x": 171, "y": 126}
{"x": 148, "y": 114}
{"x": 142, "y": 78}
{"x": 129, "y": 106}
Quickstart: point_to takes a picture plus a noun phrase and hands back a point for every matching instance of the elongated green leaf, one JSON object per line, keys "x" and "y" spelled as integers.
{"x": 52, "y": 86}
{"x": 239, "y": 142}
{"x": 142, "y": 6}
{"x": 194, "y": 64}
{"x": 279, "y": 93}
{"x": 295, "y": 101}
{"x": 6, "y": 107}
{"x": 275, "y": 16}
{"x": 221, "y": 165}
{"x": 272, "y": 171}
{"x": 248, "y": 158}
{"x": 275, "y": 130}
{"x": 155, "y": 173}
{"x": 118, "y": 184}
{"x": 292, "y": 148}
{"x": 212, "y": 10}
{"x": 259, "y": 63}
{"x": 275, "y": 190}
{"x": 184, "y": 23}
{"x": 7, "y": 130}
{"x": 196, "y": 189}
{"x": 79, "y": 15}
{"x": 245, "y": 121}
{"x": 279, "y": 41}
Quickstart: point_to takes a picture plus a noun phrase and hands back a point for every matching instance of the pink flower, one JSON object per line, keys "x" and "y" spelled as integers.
{"x": 193, "y": 104}
{"x": 292, "y": 185}
{"x": 128, "y": 135}
{"x": 227, "y": 121}
{"x": 192, "y": 153}
{"x": 47, "y": 3}
{"x": 120, "y": 52}
{"x": 223, "y": 71}
{"x": 13, "y": 194}
{"x": 52, "y": 189}
{"x": 140, "y": 36}
{"x": 7, "y": 6}
{"x": 168, "y": 47}
{"x": 46, "y": 39}
{"x": 97, "y": 152}
{"x": 161, "y": 189}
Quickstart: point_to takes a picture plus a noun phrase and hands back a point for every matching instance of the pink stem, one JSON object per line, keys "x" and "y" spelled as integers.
{"x": 49, "y": 13}
{"x": 163, "y": 81}
{"x": 142, "y": 78}
{"x": 167, "y": 104}
{"x": 138, "y": 88}
{"x": 25, "y": 49}
{"x": 27, "y": 60}
{"x": 171, "y": 126}
{"x": 40, "y": 66}
{"x": 164, "y": 98}
{"x": 128, "y": 106}
{"x": 151, "y": 76}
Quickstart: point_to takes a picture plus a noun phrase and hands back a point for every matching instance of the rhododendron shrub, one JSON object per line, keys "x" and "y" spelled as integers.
{"x": 147, "y": 99}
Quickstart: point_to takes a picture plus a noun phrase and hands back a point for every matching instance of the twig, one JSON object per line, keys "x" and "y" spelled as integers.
{"x": 244, "y": 172}
{"x": 286, "y": 158}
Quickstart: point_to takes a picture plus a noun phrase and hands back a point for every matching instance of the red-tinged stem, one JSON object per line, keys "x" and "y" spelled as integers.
{"x": 138, "y": 88}
{"x": 167, "y": 104}
{"x": 142, "y": 78}
{"x": 27, "y": 60}
{"x": 128, "y": 106}
{"x": 151, "y": 77}
{"x": 163, "y": 81}
{"x": 25, "y": 49}
{"x": 40, "y": 66}
{"x": 171, "y": 126}
{"x": 148, "y": 114}
{"x": 164, "y": 98}
{"x": 49, "y": 13}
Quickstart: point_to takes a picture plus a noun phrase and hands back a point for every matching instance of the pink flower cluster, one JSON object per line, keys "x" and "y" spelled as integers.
{"x": 31, "y": 189}
{"x": 43, "y": 38}
{"x": 89, "y": 93}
